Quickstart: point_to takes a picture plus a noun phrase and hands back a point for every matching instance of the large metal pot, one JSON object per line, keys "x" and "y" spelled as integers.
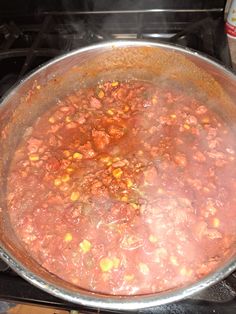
{"x": 112, "y": 60}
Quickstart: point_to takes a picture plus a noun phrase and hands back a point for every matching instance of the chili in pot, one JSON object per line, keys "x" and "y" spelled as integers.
{"x": 120, "y": 188}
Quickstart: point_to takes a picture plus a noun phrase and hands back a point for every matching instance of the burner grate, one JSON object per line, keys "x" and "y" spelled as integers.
{"x": 55, "y": 32}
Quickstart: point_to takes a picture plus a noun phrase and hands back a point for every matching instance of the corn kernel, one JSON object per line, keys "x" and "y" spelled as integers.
{"x": 124, "y": 198}
{"x": 216, "y": 222}
{"x": 34, "y": 157}
{"x": 38, "y": 87}
{"x": 114, "y": 84}
{"x": 115, "y": 159}
{"x": 186, "y": 126}
{"x": 77, "y": 155}
{"x": 116, "y": 262}
{"x": 185, "y": 272}
{"x": 110, "y": 112}
{"x": 129, "y": 183}
{"x": 74, "y": 196}
{"x": 101, "y": 94}
{"x": 69, "y": 169}
{"x": 128, "y": 277}
{"x": 68, "y": 119}
{"x": 106, "y": 264}
{"x": 152, "y": 238}
{"x": 85, "y": 246}
{"x": 144, "y": 268}
{"x": 205, "y": 120}
{"x": 154, "y": 100}
{"x": 117, "y": 173}
{"x": 173, "y": 116}
{"x": 57, "y": 182}
{"x": 66, "y": 153}
{"x": 68, "y": 237}
{"x": 135, "y": 206}
{"x": 65, "y": 178}
{"x": 174, "y": 261}
{"x": 126, "y": 108}
{"x": 52, "y": 120}
{"x": 105, "y": 159}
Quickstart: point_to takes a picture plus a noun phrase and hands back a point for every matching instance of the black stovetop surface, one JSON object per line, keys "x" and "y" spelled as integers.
{"x": 36, "y": 32}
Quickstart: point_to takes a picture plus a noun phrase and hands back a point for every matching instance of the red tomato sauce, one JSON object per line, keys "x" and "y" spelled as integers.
{"x": 126, "y": 188}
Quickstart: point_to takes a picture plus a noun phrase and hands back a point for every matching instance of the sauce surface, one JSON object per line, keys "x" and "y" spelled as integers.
{"x": 126, "y": 188}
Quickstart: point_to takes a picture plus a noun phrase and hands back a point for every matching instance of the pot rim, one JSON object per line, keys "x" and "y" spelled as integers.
{"x": 103, "y": 301}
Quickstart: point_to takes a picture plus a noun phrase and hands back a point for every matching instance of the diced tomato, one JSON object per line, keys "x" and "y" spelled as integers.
{"x": 101, "y": 139}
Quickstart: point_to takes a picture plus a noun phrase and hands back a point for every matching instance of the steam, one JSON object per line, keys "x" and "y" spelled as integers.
{"x": 113, "y": 18}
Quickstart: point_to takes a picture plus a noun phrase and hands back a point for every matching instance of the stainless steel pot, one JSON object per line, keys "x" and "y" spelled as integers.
{"x": 112, "y": 60}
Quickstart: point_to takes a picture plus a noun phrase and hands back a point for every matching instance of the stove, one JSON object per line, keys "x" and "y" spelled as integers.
{"x": 32, "y": 33}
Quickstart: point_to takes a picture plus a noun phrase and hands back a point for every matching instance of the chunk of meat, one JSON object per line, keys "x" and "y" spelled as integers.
{"x": 81, "y": 119}
{"x": 121, "y": 93}
{"x": 216, "y": 155}
{"x": 116, "y": 131}
{"x": 199, "y": 156}
{"x": 87, "y": 150}
{"x": 120, "y": 163}
{"x": 70, "y": 109}
{"x": 201, "y": 110}
{"x": 95, "y": 103}
{"x": 201, "y": 229}
{"x": 71, "y": 125}
{"x": 33, "y": 145}
{"x": 180, "y": 159}
{"x": 54, "y": 141}
{"x": 100, "y": 138}
{"x": 131, "y": 242}
{"x": 150, "y": 175}
{"x": 213, "y": 234}
{"x": 180, "y": 216}
{"x": 53, "y": 164}
{"x": 192, "y": 120}
{"x": 54, "y": 128}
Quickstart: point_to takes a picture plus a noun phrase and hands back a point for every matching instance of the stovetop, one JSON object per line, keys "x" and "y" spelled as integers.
{"x": 35, "y": 33}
